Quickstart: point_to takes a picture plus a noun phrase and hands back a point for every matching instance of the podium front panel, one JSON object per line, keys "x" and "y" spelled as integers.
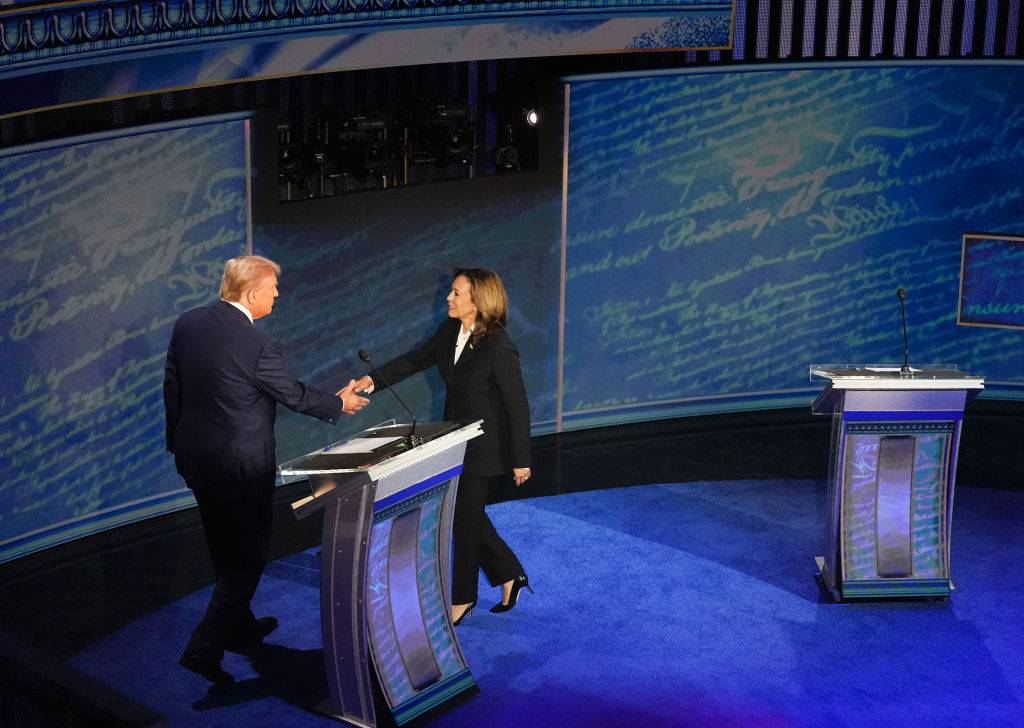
{"x": 891, "y": 477}
{"x": 385, "y": 564}
{"x": 419, "y": 662}
{"x": 893, "y": 540}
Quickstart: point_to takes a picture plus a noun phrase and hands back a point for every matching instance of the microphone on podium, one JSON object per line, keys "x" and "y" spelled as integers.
{"x": 905, "y": 369}
{"x": 411, "y": 438}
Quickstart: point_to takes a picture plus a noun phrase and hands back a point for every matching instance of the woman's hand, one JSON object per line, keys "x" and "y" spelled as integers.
{"x": 521, "y": 475}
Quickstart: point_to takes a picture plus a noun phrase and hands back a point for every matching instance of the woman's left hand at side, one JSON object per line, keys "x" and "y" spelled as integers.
{"x": 521, "y": 475}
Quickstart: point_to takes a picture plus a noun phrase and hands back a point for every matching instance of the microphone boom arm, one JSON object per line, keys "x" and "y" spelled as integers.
{"x": 411, "y": 437}
{"x": 905, "y": 369}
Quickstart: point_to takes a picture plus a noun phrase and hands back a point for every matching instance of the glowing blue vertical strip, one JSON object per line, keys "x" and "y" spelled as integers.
{"x": 991, "y": 18}
{"x": 810, "y": 16}
{"x": 739, "y": 31}
{"x": 247, "y": 125}
{"x": 922, "y": 29}
{"x": 559, "y": 386}
{"x": 899, "y": 43}
{"x": 877, "y": 26}
{"x": 945, "y": 27}
{"x": 856, "y": 12}
{"x": 967, "y": 33}
{"x": 832, "y": 29}
{"x": 786, "y": 30}
{"x": 763, "y": 21}
{"x": 471, "y": 81}
{"x": 1012, "y": 20}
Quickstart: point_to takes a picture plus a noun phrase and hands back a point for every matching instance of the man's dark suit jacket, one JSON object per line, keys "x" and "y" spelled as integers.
{"x": 487, "y": 384}
{"x": 223, "y": 380}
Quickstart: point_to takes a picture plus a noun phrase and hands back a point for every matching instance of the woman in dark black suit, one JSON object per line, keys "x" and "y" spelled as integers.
{"x": 480, "y": 367}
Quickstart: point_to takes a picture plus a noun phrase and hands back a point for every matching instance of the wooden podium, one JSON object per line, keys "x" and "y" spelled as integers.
{"x": 384, "y": 573}
{"x": 891, "y": 476}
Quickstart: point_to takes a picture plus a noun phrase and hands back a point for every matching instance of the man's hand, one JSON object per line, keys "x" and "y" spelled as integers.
{"x": 364, "y": 384}
{"x": 353, "y": 402}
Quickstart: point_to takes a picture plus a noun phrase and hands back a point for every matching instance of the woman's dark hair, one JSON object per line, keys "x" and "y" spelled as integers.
{"x": 488, "y": 294}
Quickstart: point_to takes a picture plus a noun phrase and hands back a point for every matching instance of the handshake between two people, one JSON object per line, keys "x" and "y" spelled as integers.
{"x": 350, "y": 396}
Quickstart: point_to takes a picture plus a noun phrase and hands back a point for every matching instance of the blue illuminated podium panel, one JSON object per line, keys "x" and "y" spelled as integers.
{"x": 385, "y": 573}
{"x": 891, "y": 477}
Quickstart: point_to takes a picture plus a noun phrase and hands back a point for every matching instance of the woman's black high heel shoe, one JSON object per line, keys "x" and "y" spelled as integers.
{"x": 518, "y": 584}
{"x": 469, "y": 610}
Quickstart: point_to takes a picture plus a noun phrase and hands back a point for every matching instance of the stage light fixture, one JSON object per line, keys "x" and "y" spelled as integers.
{"x": 440, "y": 134}
{"x": 513, "y": 111}
{"x": 289, "y": 159}
{"x": 372, "y": 121}
{"x": 458, "y": 144}
{"x": 454, "y": 111}
{"x": 378, "y": 156}
{"x": 289, "y": 155}
{"x": 356, "y": 147}
{"x": 506, "y": 159}
{"x": 292, "y": 165}
{"x": 444, "y": 134}
{"x": 506, "y": 156}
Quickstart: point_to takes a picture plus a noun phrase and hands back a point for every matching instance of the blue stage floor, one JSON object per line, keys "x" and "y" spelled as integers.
{"x": 663, "y": 605}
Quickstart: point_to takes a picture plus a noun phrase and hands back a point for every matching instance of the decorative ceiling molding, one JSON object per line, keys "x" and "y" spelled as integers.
{"x": 77, "y": 32}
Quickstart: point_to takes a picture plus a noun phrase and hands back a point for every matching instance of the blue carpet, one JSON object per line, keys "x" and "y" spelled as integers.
{"x": 685, "y": 605}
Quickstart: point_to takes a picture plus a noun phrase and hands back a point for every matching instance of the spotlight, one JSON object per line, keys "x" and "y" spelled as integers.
{"x": 513, "y": 111}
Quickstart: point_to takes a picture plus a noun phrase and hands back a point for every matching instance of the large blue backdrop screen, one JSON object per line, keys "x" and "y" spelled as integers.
{"x": 103, "y": 242}
{"x": 722, "y": 231}
{"x": 726, "y": 230}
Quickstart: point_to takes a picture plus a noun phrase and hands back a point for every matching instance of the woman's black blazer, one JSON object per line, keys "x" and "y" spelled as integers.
{"x": 486, "y": 383}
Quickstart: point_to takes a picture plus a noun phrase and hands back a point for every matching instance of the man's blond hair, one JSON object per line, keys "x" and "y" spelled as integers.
{"x": 244, "y": 273}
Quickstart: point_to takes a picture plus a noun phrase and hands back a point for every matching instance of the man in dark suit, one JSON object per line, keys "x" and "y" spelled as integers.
{"x": 223, "y": 380}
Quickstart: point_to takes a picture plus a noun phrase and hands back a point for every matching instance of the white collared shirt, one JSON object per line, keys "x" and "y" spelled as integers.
{"x": 460, "y": 343}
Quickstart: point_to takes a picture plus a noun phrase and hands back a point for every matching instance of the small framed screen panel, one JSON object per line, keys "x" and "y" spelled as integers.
{"x": 992, "y": 281}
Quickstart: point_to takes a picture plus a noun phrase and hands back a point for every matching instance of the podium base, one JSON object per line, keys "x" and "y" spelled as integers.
{"x": 827, "y": 582}
{"x": 882, "y": 589}
{"x": 328, "y": 708}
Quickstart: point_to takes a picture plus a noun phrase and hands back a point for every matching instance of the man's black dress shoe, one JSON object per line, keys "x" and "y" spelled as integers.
{"x": 264, "y": 626}
{"x": 206, "y": 667}
{"x": 260, "y": 629}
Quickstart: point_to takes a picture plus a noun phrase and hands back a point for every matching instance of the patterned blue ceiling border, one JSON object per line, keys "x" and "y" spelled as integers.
{"x": 76, "y": 33}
